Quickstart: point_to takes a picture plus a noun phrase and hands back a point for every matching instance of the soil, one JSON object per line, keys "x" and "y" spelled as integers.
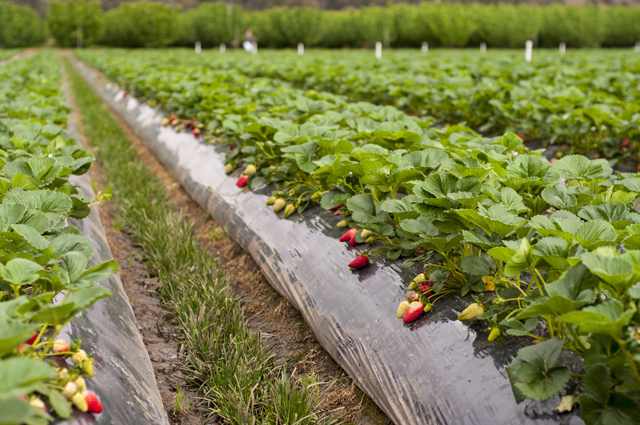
{"x": 282, "y": 326}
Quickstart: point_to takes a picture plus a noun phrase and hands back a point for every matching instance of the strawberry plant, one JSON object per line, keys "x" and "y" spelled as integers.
{"x": 44, "y": 279}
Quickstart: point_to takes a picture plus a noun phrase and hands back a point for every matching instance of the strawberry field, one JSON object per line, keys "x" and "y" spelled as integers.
{"x": 489, "y": 178}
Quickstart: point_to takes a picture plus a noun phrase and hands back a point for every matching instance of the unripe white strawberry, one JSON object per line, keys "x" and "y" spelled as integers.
{"x": 79, "y": 401}
{"x": 471, "y": 313}
{"x": 402, "y": 309}
{"x": 79, "y": 356}
{"x": 36, "y": 402}
{"x": 80, "y": 382}
{"x": 70, "y": 389}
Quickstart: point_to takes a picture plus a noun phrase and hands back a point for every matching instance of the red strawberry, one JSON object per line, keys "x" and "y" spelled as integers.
{"x": 521, "y": 135}
{"x": 360, "y": 262}
{"x": 625, "y": 143}
{"x": 172, "y": 119}
{"x": 195, "y": 132}
{"x": 347, "y": 236}
{"x": 414, "y": 312}
{"x": 353, "y": 242}
{"x": 424, "y": 288}
{"x": 553, "y": 160}
{"x": 336, "y": 208}
{"x": 93, "y": 403}
{"x": 31, "y": 340}
{"x": 232, "y": 147}
{"x": 413, "y": 296}
{"x": 242, "y": 181}
{"x": 125, "y": 93}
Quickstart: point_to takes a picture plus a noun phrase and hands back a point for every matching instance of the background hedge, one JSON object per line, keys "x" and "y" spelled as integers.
{"x": 148, "y": 24}
{"x": 20, "y": 26}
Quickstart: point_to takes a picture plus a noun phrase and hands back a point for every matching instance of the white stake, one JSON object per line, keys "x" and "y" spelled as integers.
{"x": 300, "y": 49}
{"x": 637, "y": 48}
{"x": 198, "y": 47}
{"x": 425, "y": 47}
{"x": 378, "y": 50}
{"x": 223, "y": 48}
{"x": 483, "y": 47}
{"x": 563, "y": 48}
{"x": 528, "y": 51}
{"x": 254, "y": 48}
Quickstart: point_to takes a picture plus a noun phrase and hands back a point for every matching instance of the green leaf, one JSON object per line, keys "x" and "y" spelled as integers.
{"x": 17, "y": 412}
{"x": 363, "y": 208}
{"x": 608, "y": 318}
{"x": 534, "y": 371}
{"x": 20, "y": 271}
{"x": 84, "y": 298}
{"x": 614, "y": 270}
{"x": 521, "y": 259}
{"x": 579, "y": 167}
{"x": 19, "y": 375}
{"x": 31, "y": 235}
{"x": 478, "y": 266}
{"x": 14, "y": 334}
{"x": 595, "y": 233}
{"x": 59, "y": 403}
{"x": 599, "y": 406}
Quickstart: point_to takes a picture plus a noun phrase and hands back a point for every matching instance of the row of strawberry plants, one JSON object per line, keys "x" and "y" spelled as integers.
{"x": 547, "y": 251}
{"x": 44, "y": 280}
{"x": 587, "y": 100}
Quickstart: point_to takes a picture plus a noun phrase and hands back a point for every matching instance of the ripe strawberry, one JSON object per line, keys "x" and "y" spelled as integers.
{"x": 414, "y": 312}
{"x": 195, "y": 132}
{"x": 353, "y": 241}
{"x": 424, "y": 288}
{"x": 553, "y": 160}
{"x": 172, "y": 119}
{"x": 93, "y": 403}
{"x": 336, "y": 208}
{"x": 60, "y": 345}
{"x": 359, "y": 262}
{"x": 31, "y": 340}
{"x": 242, "y": 181}
{"x": 625, "y": 142}
{"x": 347, "y": 236}
{"x": 413, "y": 296}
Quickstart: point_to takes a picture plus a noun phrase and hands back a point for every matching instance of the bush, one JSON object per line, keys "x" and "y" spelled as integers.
{"x": 211, "y": 24}
{"x": 141, "y": 25}
{"x": 64, "y": 19}
{"x": 20, "y": 26}
{"x": 440, "y": 24}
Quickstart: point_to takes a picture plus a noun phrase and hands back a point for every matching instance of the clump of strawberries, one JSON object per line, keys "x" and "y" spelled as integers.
{"x": 417, "y": 302}
{"x": 69, "y": 379}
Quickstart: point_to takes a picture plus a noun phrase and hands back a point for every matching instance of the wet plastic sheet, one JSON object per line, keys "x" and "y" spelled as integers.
{"x": 435, "y": 371}
{"x": 123, "y": 376}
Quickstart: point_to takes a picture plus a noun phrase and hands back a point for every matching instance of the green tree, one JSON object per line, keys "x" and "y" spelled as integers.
{"x": 64, "y": 19}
